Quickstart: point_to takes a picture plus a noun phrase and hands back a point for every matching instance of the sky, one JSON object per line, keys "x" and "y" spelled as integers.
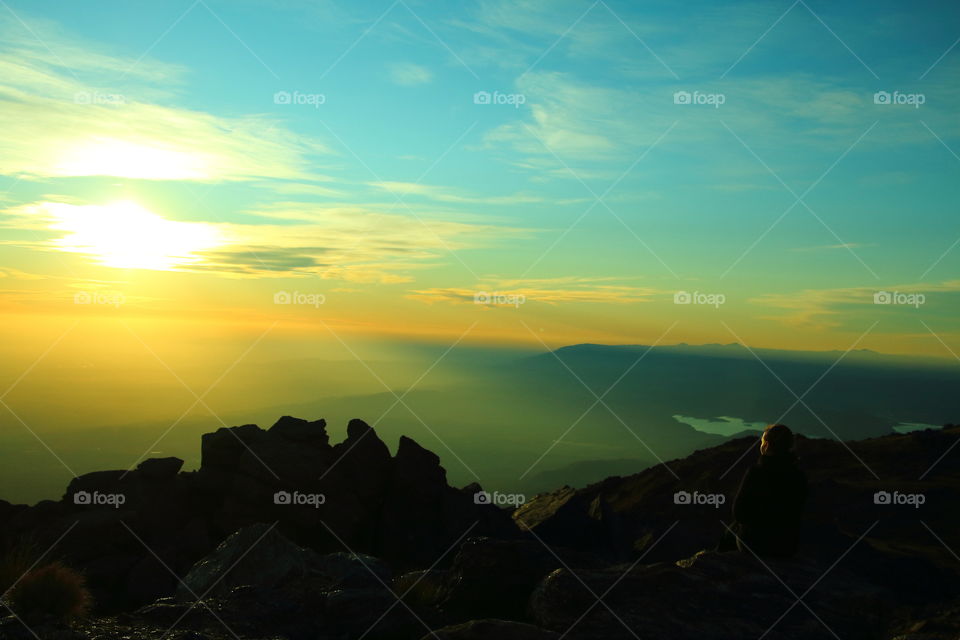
{"x": 216, "y": 212}
{"x": 531, "y": 173}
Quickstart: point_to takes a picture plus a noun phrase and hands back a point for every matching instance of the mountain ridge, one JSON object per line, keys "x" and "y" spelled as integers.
{"x": 525, "y": 568}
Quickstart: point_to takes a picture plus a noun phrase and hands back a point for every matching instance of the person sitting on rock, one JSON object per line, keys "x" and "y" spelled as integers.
{"x": 769, "y": 505}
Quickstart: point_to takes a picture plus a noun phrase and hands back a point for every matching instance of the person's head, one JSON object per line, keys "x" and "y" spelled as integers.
{"x": 777, "y": 440}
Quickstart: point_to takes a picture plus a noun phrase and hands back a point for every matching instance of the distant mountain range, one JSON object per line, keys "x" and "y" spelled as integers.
{"x": 821, "y": 394}
{"x": 527, "y": 423}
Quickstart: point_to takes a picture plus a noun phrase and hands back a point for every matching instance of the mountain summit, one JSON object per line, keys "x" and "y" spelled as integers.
{"x": 280, "y": 534}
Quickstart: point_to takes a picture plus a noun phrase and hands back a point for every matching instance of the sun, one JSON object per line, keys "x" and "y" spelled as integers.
{"x": 125, "y": 235}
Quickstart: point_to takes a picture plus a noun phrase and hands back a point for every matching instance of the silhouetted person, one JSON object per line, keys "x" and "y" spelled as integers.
{"x": 769, "y": 505}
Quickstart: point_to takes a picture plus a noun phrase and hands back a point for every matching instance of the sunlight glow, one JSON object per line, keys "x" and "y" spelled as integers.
{"x": 126, "y": 159}
{"x": 127, "y": 236}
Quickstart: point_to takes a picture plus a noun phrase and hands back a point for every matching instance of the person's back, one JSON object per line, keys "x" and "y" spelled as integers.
{"x": 769, "y": 506}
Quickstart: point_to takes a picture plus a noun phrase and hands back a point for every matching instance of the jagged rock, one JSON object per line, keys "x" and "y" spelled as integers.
{"x": 302, "y": 431}
{"x": 223, "y": 447}
{"x": 364, "y": 460}
{"x": 101, "y": 483}
{"x": 359, "y": 498}
{"x": 402, "y": 510}
{"x": 160, "y": 468}
{"x": 490, "y": 629}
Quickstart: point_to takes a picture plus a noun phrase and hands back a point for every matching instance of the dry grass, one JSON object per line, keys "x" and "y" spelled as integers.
{"x": 53, "y": 590}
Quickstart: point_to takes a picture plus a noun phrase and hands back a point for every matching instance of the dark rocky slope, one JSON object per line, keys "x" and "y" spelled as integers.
{"x": 394, "y": 552}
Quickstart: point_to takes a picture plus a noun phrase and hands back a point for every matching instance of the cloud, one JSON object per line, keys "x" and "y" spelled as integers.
{"x": 63, "y": 121}
{"x": 593, "y": 124}
{"x": 407, "y": 74}
{"x": 348, "y": 242}
{"x": 17, "y": 274}
{"x": 831, "y": 308}
{"x": 448, "y": 194}
{"x": 546, "y": 290}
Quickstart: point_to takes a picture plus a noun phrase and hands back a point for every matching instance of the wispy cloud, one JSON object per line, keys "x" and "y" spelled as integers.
{"x": 551, "y": 291}
{"x": 407, "y": 74}
{"x": 351, "y": 243}
{"x": 832, "y": 308}
{"x": 67, "y": 121}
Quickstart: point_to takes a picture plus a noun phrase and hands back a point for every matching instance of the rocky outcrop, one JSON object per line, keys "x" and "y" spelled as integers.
{"x": 622, "y": 517}
{"x": 134, "y": 533}
{"x": 286, "y": 536}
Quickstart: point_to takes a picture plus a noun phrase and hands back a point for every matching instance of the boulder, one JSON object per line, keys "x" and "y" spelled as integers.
{"x": 223, "y": 447}
{"x": 342, "y": 570}
{"x": 258, "y": 554}
{"x": 261, "y": 555}
{"x": 494, "y": 578}
{"x": 159, "y": 468}
{"x": 302, "y": 431}
{"x": 373, "y": 613}
{"x": 364, "y": 463}
{"x": 721, "y": 596}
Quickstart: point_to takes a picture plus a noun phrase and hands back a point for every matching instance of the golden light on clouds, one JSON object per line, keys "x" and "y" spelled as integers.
{"x": 125, "y": 235}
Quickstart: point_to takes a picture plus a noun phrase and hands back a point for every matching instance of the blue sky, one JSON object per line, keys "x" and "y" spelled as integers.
{"x": 597, "y": 197}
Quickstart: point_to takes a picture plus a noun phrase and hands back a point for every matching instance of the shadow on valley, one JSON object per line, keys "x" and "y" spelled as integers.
{"x": 281, "y": 534}
{"x": 521, "y": 423}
